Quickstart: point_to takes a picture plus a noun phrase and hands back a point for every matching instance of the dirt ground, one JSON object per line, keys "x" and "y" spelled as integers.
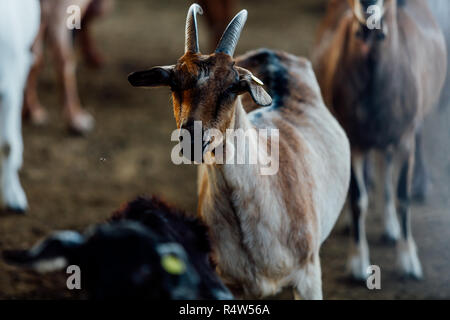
{"x": 72, "y": 182}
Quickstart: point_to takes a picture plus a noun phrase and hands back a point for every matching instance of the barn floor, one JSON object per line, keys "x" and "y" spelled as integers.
{"x": 73, "y": 182}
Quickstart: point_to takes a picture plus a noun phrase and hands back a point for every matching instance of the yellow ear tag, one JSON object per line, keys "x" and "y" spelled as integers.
{"x": 173, "y": 265}
{"x": 257, "y": 80}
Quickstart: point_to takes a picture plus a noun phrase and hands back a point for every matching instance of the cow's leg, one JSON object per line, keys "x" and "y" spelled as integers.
{"x": 79, "y": 120}
{"x": 32, "y": 107}
{"x": 308, "y": 283}
{"x": 391, "y": 225}
{"x": 421, "y": 180}
{"x": 11, "y": 145}
{"x": 358, "y": 261}
{"x": 408, "y": 260}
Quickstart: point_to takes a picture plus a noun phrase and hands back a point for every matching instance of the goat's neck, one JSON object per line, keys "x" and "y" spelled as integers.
{"x": 373, "y": 48}
{"x": 240, "y": 119}
{"x": 237, "y": 177}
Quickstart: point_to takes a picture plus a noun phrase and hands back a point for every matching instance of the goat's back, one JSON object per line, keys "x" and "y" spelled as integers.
{"x": 312, "y": 144}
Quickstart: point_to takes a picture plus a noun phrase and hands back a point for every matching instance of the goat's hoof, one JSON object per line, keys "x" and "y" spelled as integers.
{"x": 420, "y": 189}
{"x": 419, "y": 196}
{"x": 389, "y": 239}
{"x": 16, "y": 210}
{"x": 39, "y": 117}
{"x": 82, "y": 123}
{"x": 358, "y": 264}
{"x": 391, "y": 232}
{"x": 14, "y": 199}
{"x": 408, "y": 261}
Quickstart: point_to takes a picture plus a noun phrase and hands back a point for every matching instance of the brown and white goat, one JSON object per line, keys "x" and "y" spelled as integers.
{"x": 266, "y": 230}
{"x": 54, "y": 16}
{"x": 381, "y": 83}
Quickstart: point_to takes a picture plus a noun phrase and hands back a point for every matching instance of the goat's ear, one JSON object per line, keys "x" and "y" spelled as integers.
{"x": 251, "y": 84}
{"x": 154, "y": 77}
{"x": 52, "y": 254}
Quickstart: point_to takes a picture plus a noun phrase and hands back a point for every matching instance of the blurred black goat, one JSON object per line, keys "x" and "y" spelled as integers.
{"x": 147, "y": 250}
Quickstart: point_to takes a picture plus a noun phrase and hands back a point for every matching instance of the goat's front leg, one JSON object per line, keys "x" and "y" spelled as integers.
{"x": 11, "y": 151}
{"x": 308, "y": 283}
{"x": 408, "y": 260}
{"x": 358, "y": 261}
{"x": 421, "y": 180}
{"x": 79, "y": 120}
{"x": 391, "y": 225}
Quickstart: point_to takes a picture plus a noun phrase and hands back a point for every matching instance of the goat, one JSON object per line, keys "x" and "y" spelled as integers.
{"x": 147, "y": 250}
{"x": 266, "y": 230}
{"x": 53, "y": 25}
{"x": 381, "y": 83}
{"x": 19, "y": 23}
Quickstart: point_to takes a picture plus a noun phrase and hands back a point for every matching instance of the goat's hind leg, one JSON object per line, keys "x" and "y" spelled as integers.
{"x": 11, "y": 143}
{"x": 391, "y": 226}
{"x": 308, "y": 282}
{"x": 358, "y": 260}
{"x": 79, "y": 120}
{"x": 408, "y": 260}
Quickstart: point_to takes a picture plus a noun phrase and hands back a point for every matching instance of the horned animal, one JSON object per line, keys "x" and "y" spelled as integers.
{"x": 381, "y": 67}
{"x": 266, "y": 228}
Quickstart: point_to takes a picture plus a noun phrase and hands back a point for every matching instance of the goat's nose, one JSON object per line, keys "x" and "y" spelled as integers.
{"x": 189, "y": 126}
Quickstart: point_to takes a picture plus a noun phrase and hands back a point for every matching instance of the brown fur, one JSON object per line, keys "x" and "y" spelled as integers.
{"x": 202, "y": 103}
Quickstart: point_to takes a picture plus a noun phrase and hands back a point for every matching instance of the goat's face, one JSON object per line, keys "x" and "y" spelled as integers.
{"x": 370, "y": 14}
{"x": 119, "y": 260}
{"x": 205, "y": 87}
{"x": 363, "y": 9}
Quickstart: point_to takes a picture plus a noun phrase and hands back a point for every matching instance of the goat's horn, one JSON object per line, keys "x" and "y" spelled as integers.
{"x": 230, "y": 37}
{"x": 191, "y": 44}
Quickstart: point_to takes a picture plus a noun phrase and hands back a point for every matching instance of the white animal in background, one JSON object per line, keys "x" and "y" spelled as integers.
{"x": 19, "y": 24}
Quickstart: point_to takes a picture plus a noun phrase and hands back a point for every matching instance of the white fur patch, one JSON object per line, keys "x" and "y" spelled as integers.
{"x": 407, "y": 259}
{"x": 50, "y": 265}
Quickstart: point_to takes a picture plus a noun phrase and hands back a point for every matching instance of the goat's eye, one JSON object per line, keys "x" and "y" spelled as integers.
{"x": 173, "y": 265}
